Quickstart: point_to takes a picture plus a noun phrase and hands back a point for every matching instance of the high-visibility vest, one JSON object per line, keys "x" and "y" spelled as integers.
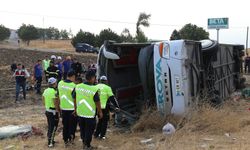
{"x": 85, "y": 100}
{"x": 65, "y": 90}
{"x": 46, "y": 64}
{"x": 105, "y": 93}
{"x": 49, "y": 95}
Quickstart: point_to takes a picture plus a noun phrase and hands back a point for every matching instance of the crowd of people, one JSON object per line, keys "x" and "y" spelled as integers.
{"x": 73, "y": 94}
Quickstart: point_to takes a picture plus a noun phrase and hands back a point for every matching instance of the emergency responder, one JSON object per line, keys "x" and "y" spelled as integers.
{"x": 52, "y": 70}
{"x": 69, "y": 120}
{"x": 45, "y": 64}
{"x": 20, "y": 75}
{"x": 87, "y": 101}
{"x": 107, "y": 98}
{"x": 50, "y": 101}
{"x": 38, "y": 75}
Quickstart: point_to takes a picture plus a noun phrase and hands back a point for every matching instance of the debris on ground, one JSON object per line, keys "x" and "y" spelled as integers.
{"x": 168, "y": 129}
{"x": 9, "y": 147}
{"x": 146, "y": 141}
{"x": 207, "y": 139}
{"x": 246, "y": 93}
{"x": 12, "y": 130}
{"x": 25, "y": 131}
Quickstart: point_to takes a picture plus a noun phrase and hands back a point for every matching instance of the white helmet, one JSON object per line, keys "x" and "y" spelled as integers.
{"x": 103, "y": 78}
{"x": 59, "y": 57}
{"x": 53, "y": 57}
{"x": 168, "y": 129}
{"x": 52, "y": 80}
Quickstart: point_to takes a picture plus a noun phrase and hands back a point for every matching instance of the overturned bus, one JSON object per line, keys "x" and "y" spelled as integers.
{"x": 171, "y": 75}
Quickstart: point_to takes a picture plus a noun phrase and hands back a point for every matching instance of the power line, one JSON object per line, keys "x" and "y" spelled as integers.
{"x": 87, "y": 19}
{"x": 104, "y": 21}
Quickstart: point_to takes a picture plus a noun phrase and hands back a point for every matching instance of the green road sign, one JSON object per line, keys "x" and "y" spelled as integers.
{"x": 217, "y": 23}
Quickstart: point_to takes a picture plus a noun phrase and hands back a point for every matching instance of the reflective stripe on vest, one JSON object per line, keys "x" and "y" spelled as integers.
{"x": 85, "y": 100}
{"x": 65, "y": 93}
{"x": 87, "y": 104}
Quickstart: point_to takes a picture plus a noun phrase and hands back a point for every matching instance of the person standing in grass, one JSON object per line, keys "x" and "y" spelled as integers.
{"x": 87, "y": 105}
{"x": 66, "y": 66}
{"x": 50, "y": 101}
{"x": 69, "y": 120}
{"x": 20, "y": 75}
{"x": 38, "y": 76}
{"x": 45, "y": 65}
{"x": 107, "y": 98}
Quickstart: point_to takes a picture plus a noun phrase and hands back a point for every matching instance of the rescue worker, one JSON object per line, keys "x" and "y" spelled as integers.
{"x": 52, "y": 70}
{"x": 45, "y": 65}
{"x": 20, "y": 75}
{"x": 69, "y": 120}
{"x": 87, "y": 101}
{"x": 66, "y": 66}
{"x": 38, "y": 73}
{"x": 107, "y": 98}
{"x": 50, "y": 101}
{"x": 60, "y": 67}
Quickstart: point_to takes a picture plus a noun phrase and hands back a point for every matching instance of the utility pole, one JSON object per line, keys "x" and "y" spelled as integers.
{"x": 247, "y": 40}
{"x": 43, "y": 32}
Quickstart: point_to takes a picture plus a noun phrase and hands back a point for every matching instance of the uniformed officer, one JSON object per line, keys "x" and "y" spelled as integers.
{"x": 69, "y": 120}
{"x": 50, "y": 101}
{"x": 87, "y": 101}
{"x": 106, "y": 97}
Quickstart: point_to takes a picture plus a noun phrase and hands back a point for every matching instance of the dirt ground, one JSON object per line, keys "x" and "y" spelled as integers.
{"x": 208, "y": 128}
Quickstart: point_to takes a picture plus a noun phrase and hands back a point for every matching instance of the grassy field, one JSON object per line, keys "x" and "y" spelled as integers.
{"x": 50, "y": 44}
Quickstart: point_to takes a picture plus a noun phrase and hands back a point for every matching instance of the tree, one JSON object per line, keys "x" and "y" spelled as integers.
{"x": 143, "y": 20}
{"x": 52, "y": 33}
{"x": 84, "y": 37}
{"x": 108, "y": 34}
{"x": 193, "y": 32}
{"x": 141, "y": 37}
{"x": 175, "y": 35}
{"x": 28, "y": 33}
{"x": 126, "y": 36}
{"x": 4, "y": 32}
{"x": 64, "y": 34}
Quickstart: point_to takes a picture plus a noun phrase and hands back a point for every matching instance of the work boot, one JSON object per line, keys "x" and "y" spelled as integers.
{"x": 89, "y": 148}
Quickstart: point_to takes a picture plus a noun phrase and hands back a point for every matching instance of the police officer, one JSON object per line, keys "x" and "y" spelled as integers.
{"x": 87, "y": 101}
{"x": 20, "y": 75}
{"x": 106, "y": 97}
{"x": 69, "y": 120}
{"x": 50, "y": 101}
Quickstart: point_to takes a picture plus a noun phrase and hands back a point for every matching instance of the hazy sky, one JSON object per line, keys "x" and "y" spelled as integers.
{"x": 95, "y": 15}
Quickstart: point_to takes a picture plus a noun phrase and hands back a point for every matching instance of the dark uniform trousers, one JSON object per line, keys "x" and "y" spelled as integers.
{"x": 87, "y": 127}
{"x": 52, "y": 125}
{"x": 102, "y": 124}
{"x": 69, "y": 122}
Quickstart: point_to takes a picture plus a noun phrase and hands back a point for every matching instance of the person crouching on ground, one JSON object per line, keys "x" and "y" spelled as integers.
{"x": 86, "y": 102}
{"x": 50, "y": 101}
{"x": 107, "y": 98}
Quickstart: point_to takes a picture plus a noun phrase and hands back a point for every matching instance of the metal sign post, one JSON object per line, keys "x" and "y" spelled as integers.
{"x": 218, "y": 35}
{"x": 217, "y": 23}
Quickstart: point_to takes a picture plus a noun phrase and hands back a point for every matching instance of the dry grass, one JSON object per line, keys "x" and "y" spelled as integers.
{"x": 50, "y": 44}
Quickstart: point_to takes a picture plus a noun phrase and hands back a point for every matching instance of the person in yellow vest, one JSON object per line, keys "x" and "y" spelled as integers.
{"x": 45, "y": 65}
{"x": 50, "y": 101}
{"x": 69, "y": 120}
{"x": 106, "y": 97}
{"x": 87, "y": 101}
